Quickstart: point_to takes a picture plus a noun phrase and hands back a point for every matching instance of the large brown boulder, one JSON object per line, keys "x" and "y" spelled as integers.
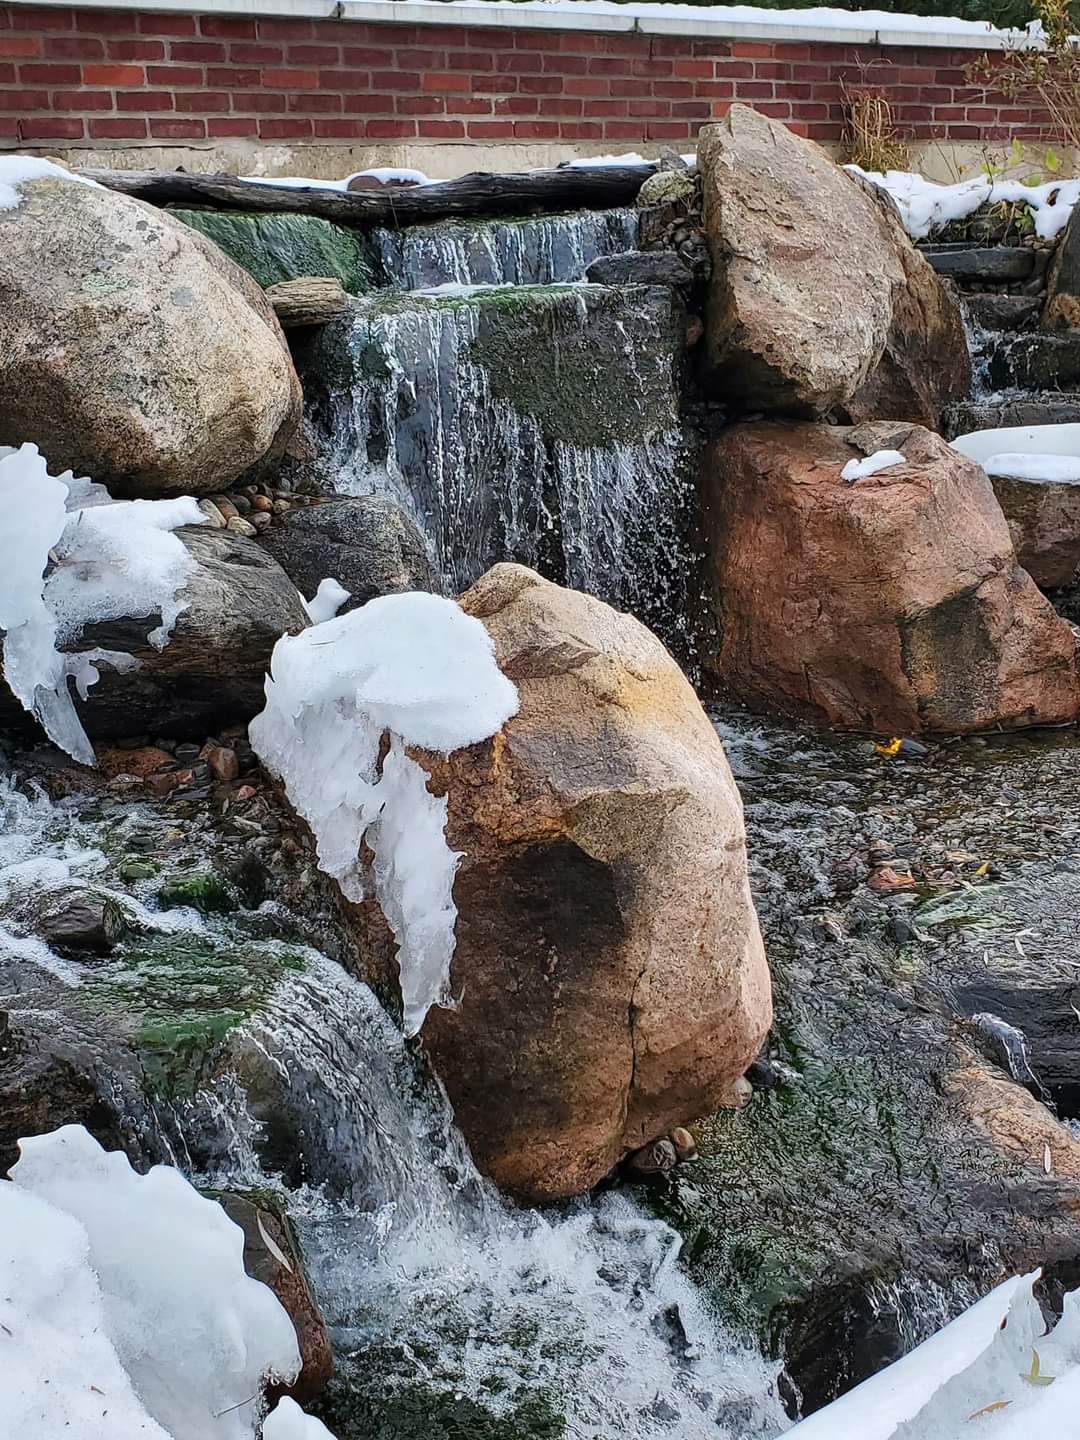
{"x": 894, "y": 603}
{"x": 925, "y": 365}
{"x": 612, "y": 978}
{"x": 805, "y": 275}
{"x": 132, "y": 349}
{"x": 1044, "y": 521}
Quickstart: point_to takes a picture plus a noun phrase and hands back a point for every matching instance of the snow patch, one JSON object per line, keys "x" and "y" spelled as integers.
{"x": 288, "y": 1422}
{"x": 385, "y": 175}
{"x": 131, "y": 1312}
{"x": 995, "y": 1371}
{"x": 926, "y": 207}
{"x": 109, "y": 559}
{"x": 1042, "y": 469}
{"x": 18, "y": 170}
{"x": 880, "y": 460}
{"x": 418, "y": 667}
{"x": 327, "y": 601}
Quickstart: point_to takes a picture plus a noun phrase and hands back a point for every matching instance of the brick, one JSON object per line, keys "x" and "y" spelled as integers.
{"x": 675, "y": 89}
{"x": 442, "y": 130}
{"x": 293, "y": 127}
{"x": 317, "y": 103}
{"x": 340, "y": 129}
{"x": 587, "y": 85}
{"x": 734, "y": 70}
{"x": 167, "y": 24}
{"x": 24, "y": 101}
{"x": 50, "y": 74}
{"x": 172, "y": 75}
{"x": 655, "y": 69}
{"x": 394, "y": 80}
{"x": 106, "y": 22}
{"x": 233, "y": 77}
{"x": 290, "y": 79}
{"x": 113, "y": 75}
{"x": 517, "y": 64}
{"x": 771, "y": 70}
{"x": 25, "y": 18}
{"x": 227, "y": 26}
{"x": 285, "y": 29}
{"x": 609, "y": 65}
{"x": 234, "y": 127}
{"x": 650, "y": 108}
{"x": 133, "y": 49}
{"x": 7, "y": 74}
{"x": 541, "y": 85}
{"x": 446, "y": 80}
{"x": 605, "y": 107}
{"x": 754, "y": 89}
{"x": 148, "y": 100}
{"x": 517, "y": 105}
{"x": 471, "y": 60}
{"x": 46, "y": 127}
{"x": 561, "y": 106}
{"x": 690, "y": 110}
{"x": 792, "y": 50}
{"x": 775, "y": 109}
{"x": 129, "y": 127}
{"x": 419, "y": 104}
{"x": 622, "y": 130}
{"x": 497, "y": 84}
{"x": 716, "y": 90}
{"x": 344, "y": 80}
{"x": 368, "y": 104}
{"x": 752, "y": 50}
{"x": 560, "y": 64}
{"x": 491, "y": 130}
{"x": 20, "y": 46}
{"x": 178, "y": 129}
{"x": 533, "y": 40}
{"x": 366, "y": 55}
{"x": 582, "y": 130}
{"x": 210, "y": 52}
{"x": 258, "y": 101}
{"x": 391, "y": 129}
{"x": 536, "y": 130}
{"x": 468, "y": 105}
{"x": 243, "y": 54}
{"x": 668, "y": 130}
{"x": 412, "y": 59}
{"x": 694, "y": 69}
{"x": 313, "y": 54}
{"x": 203, "y": 102}
{"x": 80, "y": 100}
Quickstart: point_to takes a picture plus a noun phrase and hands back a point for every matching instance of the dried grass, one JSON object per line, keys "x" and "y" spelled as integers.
{"x": 870, "y": 139}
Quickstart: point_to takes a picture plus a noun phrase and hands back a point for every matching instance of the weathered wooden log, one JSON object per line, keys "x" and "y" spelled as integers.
{"x": 307, "y": 300}
{"x": 598, "y": 187}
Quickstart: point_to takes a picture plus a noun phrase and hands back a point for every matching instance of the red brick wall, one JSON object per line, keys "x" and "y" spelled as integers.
{"x": 123, "y": 77}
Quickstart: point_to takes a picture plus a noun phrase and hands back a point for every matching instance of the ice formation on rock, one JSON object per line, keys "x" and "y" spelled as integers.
{"x": 128, "y": 1305}
{"x": 70, "y": 557}
{"x": 327, "y": 601}
{"x": 418, "y": 667}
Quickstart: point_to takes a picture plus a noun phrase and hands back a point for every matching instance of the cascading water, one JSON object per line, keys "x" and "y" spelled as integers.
{"x": 442, "y": 1298}
{"x": 536, "y": 424}
{"x": 540, "y": 250}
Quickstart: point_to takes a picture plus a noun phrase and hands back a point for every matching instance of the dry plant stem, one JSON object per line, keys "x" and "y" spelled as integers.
{"x": 870, "y": 140}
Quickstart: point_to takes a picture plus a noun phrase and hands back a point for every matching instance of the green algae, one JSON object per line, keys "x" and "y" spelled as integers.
{"x": 274, "y": 247}
{"x": 200, "y": 890}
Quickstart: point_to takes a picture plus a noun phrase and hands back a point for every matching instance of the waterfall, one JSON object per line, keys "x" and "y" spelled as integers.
{"x": 437, "y": 1291}
{"x": 503, "y": 423}
{"x": 540, "y": 250}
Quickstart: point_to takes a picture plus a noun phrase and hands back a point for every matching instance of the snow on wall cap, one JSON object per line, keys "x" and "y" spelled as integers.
{"x": 842, "y": 27}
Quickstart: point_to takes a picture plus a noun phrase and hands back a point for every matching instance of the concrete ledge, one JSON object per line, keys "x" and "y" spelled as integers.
{"x": 737, "y": 22}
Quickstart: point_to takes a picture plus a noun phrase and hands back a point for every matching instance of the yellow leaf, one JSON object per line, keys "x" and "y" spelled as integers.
{"x": 983, "y": 868}
{"x": 988, "y": 1409}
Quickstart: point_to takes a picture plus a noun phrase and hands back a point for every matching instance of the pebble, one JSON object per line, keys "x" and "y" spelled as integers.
{"x": 260, "y": 521}
{"x": 225, "y": 508}
{"x": 223, "y": 763}
{"x": 239, "y": 526}
{"x": 242, "y": 503}
{"x": 262, "y": 502}
{"x": 187, "y": 752}
{"x": 282, "y": 507}
{"x": 213, "y": 515}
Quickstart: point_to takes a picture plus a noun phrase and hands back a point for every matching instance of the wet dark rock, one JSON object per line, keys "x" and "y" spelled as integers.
{"x": 83, "y": 923}
{"x": 1063, "y": 283}
{"x": 200, "y": 890}
{"x": 641, "y": 267}
{"x": 1004, "y": 312}
{"x": 368, "y": 544}
{"x": 656, "y": 1159}
{"x": 995, "y": 263}
{"x": 272, "y": 1256}
{"x": 1035, "y": 362}
{"x": 1043, "y": 409}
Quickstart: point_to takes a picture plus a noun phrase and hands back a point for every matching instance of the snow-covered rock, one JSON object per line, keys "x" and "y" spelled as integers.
{"x": 132, "y": 1315}
{"x": 414, "y": 666}
{"x": 131, "y": 348}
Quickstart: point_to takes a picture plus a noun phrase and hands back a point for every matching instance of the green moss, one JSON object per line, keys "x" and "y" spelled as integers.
{"x": 416, "y": 1412}
{"x": 202, "y": 890}
{"x": 274, "y": 247}
{"x": 175, "y": 998}
{"x": 133, "y": 870}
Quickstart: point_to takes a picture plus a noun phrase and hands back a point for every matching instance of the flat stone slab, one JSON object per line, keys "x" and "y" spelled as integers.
{"x": 1035, "y": 362}
{"x": 1044, "y": 521}
{"x": 1042, "y": 409}
{"x": 994, "y": 263}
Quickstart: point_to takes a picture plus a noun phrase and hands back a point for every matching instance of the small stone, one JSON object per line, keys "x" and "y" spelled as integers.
{"x": 225, "y": 508}
{"x": 242, "y": 503}
{"x": 162, "y": 784}
{"x": 695, "y": 328}
{"x": 685, "y": 1144}
{"x": 84, "y": 923}
{"x": 282, "y": 507}
{"x": 223, "y": 763}
{"x": 186, "y": 753}
{"x": 260, "y": 521}
{"x": 655, "y": 1159}
{"x": 239, "y": 526}
{"x": 246, "y": 792}
{"x": 261, "y": 502}
{"x": 214, "y": 517}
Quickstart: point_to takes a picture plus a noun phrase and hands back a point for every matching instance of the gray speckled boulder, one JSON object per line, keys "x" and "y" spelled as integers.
{"x": 132, "y": 349}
